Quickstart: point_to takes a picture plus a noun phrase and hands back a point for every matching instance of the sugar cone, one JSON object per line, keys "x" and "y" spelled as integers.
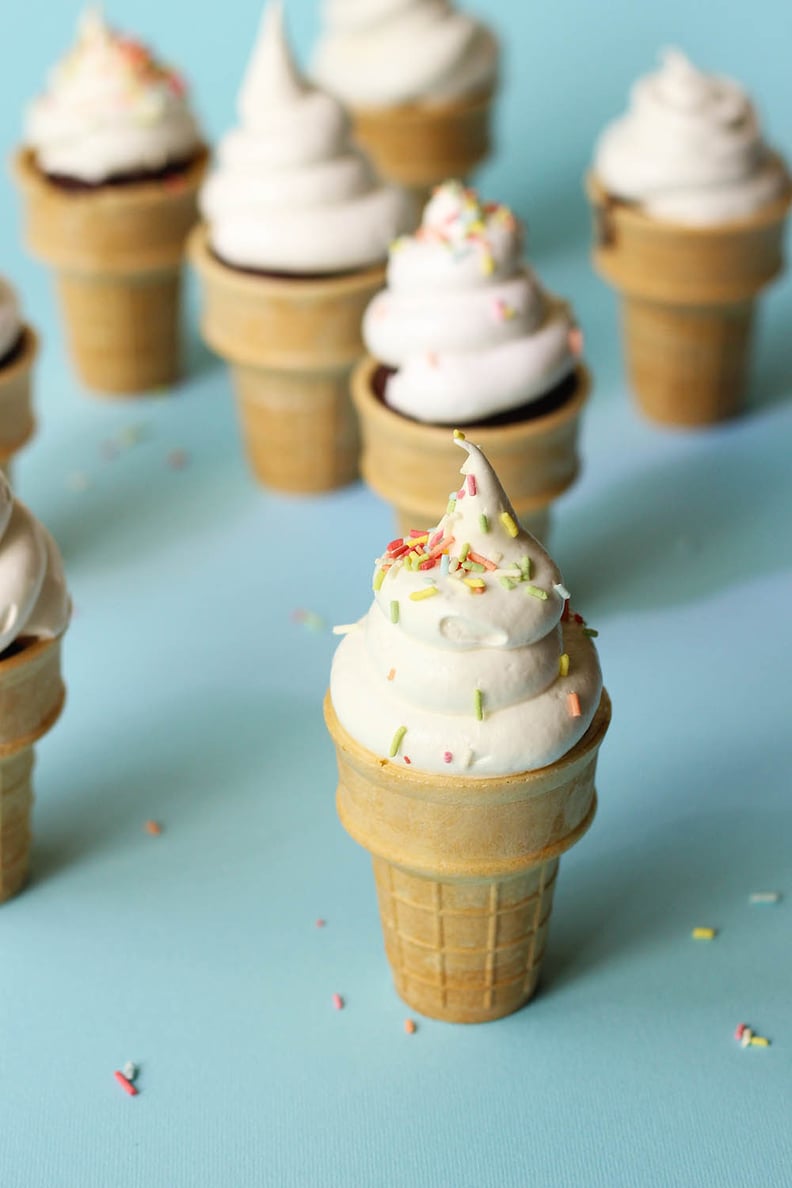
{"x": 117, "y": 252}
{"x": 415, "y": 467}
{"x": 465, "y": 868}
{"x": 31, "y": 699}
{"x": 291, "y": 344}
{"x": 688, "y": 297}
{"x": 17, "y": 422}
{"x": 421, "y": 145}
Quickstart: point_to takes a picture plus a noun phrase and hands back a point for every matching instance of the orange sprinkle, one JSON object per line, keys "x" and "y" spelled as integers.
{"x": 573, "y": 702}
{"x": 154, "y": 828}
{"x": 391, "y": 674}
{"x": 481, "y": 560}
{"x": 410, "y": 1027}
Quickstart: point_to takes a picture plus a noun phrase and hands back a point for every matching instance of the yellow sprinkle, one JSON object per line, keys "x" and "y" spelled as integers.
{"x": 760, "y": 1041}
{"x": 379, "y": 578}
{"x": 563, "y": 665}
{"x": 417, "y": 540}
{"x": 459, "y": 435}
{"x": 704, "y": 933}
{"x": 508, "y": 524}
{"x": 419, "y": 595}
{"x": 474, "y": 583}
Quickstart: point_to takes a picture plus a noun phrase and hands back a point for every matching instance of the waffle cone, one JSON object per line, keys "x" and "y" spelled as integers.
{"x": 117, "y": 253}
{"x": 31, "y": 699}
{"x": 421, "y": 145}
{"x": 17, "y": 422}
{"x": 688, "y": 298}
{"x": 414, "y": 466}
{"x": 291, "y": 344}
{"x": 465, "y": 868}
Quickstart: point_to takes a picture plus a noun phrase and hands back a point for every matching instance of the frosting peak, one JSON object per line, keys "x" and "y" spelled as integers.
{"x": 469, "y": 644}
{"x": 465, "y": 323}
{"x": 111, "y": 108}
{"x": 689, "y": 148}
{"x": 291, "y": 192}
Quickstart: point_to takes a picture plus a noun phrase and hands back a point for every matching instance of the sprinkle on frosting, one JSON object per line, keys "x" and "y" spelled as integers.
{"x": 396, "y": 741}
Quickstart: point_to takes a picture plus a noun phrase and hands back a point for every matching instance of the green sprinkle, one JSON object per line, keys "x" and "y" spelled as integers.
{"x": 396, "y": 741}
{"x": 484, "y": 522}
{"x": 535, "y": 592}
{"x": 507, "y": 583}
{"x": 525, "y": 566}
{"x": 379, "y": 578}
{"x": 394, "y": 611}
{"x": 451, "y": 507}
{"x": 420, "y": 595}
{"x": 465, "y": 551}
{"x": 590, "y": 632}
{"x": 477, "y": 698}
{"x": 474, "y": 566}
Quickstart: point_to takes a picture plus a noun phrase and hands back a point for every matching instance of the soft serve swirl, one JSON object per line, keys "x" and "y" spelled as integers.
{"x": 291, "y": 193}
{"x": 110, "y": 109}
{"x": 689, "y": 149}
{"x": 382, "y": 53}
{"x": 470, "y": 646}
{"x": 34, "y": 602}
{"x": 463, "y": 320}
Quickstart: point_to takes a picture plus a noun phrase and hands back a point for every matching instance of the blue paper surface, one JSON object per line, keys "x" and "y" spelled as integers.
{"x": 195, "y": 700}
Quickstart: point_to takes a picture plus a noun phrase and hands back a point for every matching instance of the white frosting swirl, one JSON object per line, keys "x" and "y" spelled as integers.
{"x": 421, "y": 660}
{"x": 110, "y": 109}
{"x": 464, "y": 321}
{"x": 34, "y": 602}
{"x": 381, "y": 53}
{"x": 291, "y": 193}
{"x": 10, "y": 319}
{"x": 689, "y": 149}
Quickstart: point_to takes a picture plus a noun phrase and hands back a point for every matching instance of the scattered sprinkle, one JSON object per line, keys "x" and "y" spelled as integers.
{"x": 410, "y": 1026}
{"x": 561, "y": 591}
{"x": 764, "y": 897}
{"x": 391, "y": 674}
{"x": 394, "y": 611}
{"x": 320, "y": 923}
{"x": 125, "y": 1083}
{"x": 130, "y": 1070}
{"x": 447, "y": 756}
{"x": 178, "y": 459}
{"x": 484, "y": 522}
{"x": 420, "y": 595}
{"x": 509, "y": 524}
{"x": 704, "y": 933}
{"x": 747, "y": 1038}
{"x": 760, "y": 1041}
{"x": 535, "y": 592}
{"x": 563, "y": 664}
{"x": 338, "y": 1002}
{"x": 309, "y": 619}
{"x": 573, "y": 704}
{"x": 396, "y": 741}
{"x": 477, "y": 704}
{"x": 154, "y": 828}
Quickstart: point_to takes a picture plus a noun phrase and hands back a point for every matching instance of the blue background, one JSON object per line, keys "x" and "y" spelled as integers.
{"x": 194, "y": 698}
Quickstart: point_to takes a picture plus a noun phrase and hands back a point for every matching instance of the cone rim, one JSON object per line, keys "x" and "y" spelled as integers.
{"x": 30, "y": 176}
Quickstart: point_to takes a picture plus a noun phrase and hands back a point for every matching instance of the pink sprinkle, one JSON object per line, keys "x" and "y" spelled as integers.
{"x": 461, "y": 493}
{"x": 407, "y": 759}
{"x": 471, "y": 482}
{"x": 575, "y": 340}
{"x": 126, "y": 1084}
{"x": 338, "y": 1002}
{"x": 154, "y": 828}
{"x": 447, "y": 756}
{"x": 410, "y": 1026}
{"x": 178, "y": 459}
{"x": 417, "y": 532}
{"x": 320, "y": 923}
{"x": 740, "y": 1030}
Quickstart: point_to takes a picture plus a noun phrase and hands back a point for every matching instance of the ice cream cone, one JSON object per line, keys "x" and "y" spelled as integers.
{"x": 17, "y": 422}
{"x": 419, "y": 145}
{"x": 415, "y": 466}
{"x": 31, "y": 699}
{"x": 465, "y": 868}
{"x": 291, "y": 344}
{"x": 688, "y": 297}
{"x": 117, "y": 252}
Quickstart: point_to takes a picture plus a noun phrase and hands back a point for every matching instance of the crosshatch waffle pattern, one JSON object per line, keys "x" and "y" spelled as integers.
{"x": 16, "y": 799}
{"x": 465, "y": 950}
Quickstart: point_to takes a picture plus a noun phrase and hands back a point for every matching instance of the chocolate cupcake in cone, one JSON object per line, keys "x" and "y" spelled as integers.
{"x": 18, "y": 350}
{"x": 297, "y": 232}
{"x": 109, "y": 176}
{"x": 467, "y": 711}
{"x": 35, "y": 614}
{"x": 689, "y": 212}
{"x": 419, "y": 80}
{"x": 464, "y": 334}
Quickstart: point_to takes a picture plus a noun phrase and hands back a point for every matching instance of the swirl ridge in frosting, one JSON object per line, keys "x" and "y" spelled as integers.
{"x": 291, "y": 192}
{"x": 34, "y": 602}
{"x": 382, "y": 53}
{"x": 469, "y": 644}
{"x": 463, "y": 320}
{"x": 690, "y": 148}
{"x": 110, "y": 109}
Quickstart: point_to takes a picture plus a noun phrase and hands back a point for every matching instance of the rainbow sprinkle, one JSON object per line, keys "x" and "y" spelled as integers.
{"x": 563, "y": 665}
{"x": 484, "y": 522}
{"x": 394, "y": 611}
{"x": 535, "y": 592}
{"x": 477, "y": 704}
{"x": 573, "y": 704}
{"x": 421, "y": 595}
{"x": 396, "y": 741}
{"x": 509, "y": 524}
